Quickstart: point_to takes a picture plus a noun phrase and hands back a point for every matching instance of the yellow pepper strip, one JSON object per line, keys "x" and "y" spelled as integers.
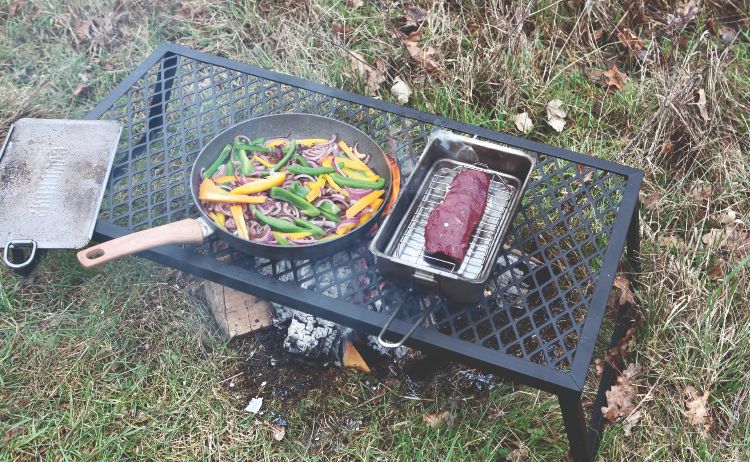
{"x": 311, "y": 141}
{"x": 274, "y": 143}
{"x": 263, "y": 161}
{"x": 212, "y": 216}
{"x": 363, "y": 203}
{"x": 239, "y": 220}
{"x": 327, "y": 161}
{"x": 336, "y": 186}
{"x": 221, "y": 219}
{"x": 274, "y": 179}
{"x": 343, "y": 229}
{"x": 354, "y": 158}
{"x": 298, "y": 235}
{"x": 376, "y": 204}
{"x": 224, "y": 179}
{"x": 315, "y": 188}
{"x": 364, "y": 218}
{"x": 348, "y": 163}
{"x": 209, "y": 192}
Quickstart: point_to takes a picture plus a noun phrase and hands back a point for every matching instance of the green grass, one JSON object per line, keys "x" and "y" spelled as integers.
{"x": 123, "y": 362}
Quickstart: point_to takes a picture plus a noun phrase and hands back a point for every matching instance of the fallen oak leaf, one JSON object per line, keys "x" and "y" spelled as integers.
{"x": 700, "y": 103}
{"x": 437, "y": 420}
{"x": 626, "y": 296}
{"x": 523, "y": 123}
{"x": 651, "y": 201}
{"x": 718, "y": 270}
{"x": 556, "y": 115}
{"x": 629, "y": 40}
{"x": 354, "y": 4}
{"x": 373, "y": 76}
{"x": 728, "y": 35}
{"x": 701, "y": 192}
{"x": 520, "y": 454}
{"x": 424, "y": 57}
{"x": 620, "y": 399}
{"x": 341, "y": 29}
{"x": 82, "y": 30}
{"x": 614, "y": 79}
{"x": 80, "y": 90}
{"x": 734, "y": 240}
{"x": 697, "y": 408}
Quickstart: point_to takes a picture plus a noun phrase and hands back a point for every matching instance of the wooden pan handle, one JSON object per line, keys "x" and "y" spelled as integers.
{"x": 188, "y": 231}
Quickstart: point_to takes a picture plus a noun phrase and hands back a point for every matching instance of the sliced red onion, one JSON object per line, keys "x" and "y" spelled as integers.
{"x": 221, "y": 171}
{"x": 336, "y": 164}
{"x": 289, "y": 209}
{"x": 357, "y": 194}
{"x": 230, "y": 224}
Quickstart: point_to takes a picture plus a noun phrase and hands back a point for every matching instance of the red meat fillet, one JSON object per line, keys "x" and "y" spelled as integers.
{"x": 451, "y": 223}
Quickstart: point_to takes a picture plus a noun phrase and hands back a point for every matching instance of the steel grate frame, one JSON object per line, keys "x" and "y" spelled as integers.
{"x": 550, "y": 282}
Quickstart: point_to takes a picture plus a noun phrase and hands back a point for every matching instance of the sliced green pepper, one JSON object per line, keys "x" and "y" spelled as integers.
{"x": 359, "y": 184}
{"x": 257, "y": 141}
{"x": 251, "y": 147}
{"x": 310, "y": 170}
{"x": 315, "y": 229}
{"x": 218, "y": 162}
{"x": 246, "y": 165}
{"x": 277, "y": 223}
{"x": 230, "y": 164}
{"x": 301, "y": 160}
{"x": 329, "y": 207}
{"x": 334, "y": 217}
{"x": 298, "y": 189}
{"x": 288, "y": 153}
{"x": 281, "y": 240}
{"x": 299, "y": 202}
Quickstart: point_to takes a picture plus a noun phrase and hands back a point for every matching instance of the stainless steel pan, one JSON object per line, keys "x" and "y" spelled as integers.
{"x": 196, "y": 230}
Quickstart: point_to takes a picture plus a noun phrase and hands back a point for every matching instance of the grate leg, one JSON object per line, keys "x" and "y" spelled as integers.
{"x": 575, "y": 426}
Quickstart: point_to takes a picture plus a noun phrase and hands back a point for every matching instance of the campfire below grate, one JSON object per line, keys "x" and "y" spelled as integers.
{"x": 411, "y": 245}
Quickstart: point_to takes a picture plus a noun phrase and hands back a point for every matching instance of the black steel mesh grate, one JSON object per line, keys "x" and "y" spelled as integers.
{"x": 537, "y": 299}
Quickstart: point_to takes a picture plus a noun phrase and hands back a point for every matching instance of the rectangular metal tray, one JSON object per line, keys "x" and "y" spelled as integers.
{"x": 398, "y": 245}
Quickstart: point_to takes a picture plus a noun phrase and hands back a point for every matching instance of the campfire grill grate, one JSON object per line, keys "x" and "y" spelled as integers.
{"x": 561, "y": 253}
{"x": 411, "y": 245}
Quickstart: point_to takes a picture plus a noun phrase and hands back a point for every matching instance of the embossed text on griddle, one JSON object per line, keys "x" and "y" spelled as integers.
{"x": 50, "y": 182}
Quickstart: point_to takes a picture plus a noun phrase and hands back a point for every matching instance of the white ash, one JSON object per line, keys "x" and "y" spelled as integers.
{"x": 312, "y": 337}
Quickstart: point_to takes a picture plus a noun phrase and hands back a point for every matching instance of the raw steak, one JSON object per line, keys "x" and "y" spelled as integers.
{"x": 452, "y": 222}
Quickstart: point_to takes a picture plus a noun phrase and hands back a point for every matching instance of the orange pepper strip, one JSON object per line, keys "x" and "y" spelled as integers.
{"x": 343, "y": 229}
{"x": 363, "y": 203}
{"x": 354, "y": 158}
{"x": 395, "y": 182}
{"x": 209, "y": 192}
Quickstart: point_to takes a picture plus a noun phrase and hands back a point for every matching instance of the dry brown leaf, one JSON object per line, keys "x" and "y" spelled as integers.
{"x": 728, "y": 217}
{"x": 697, "y": 408}
{"x": 352, "y": 359}
{"x": 341, "y": 29}
{"x": 415, "y": 16}
{"x": 630, "y": 422}
{"x": 494, "y": 414}
{"x": 652, "y": 200}
{"x": 718, "y": 270}
{"x": 614, "y": 78}
{"x": 701, "y": 104}
{"x": 631, "y": 371}
{"x": 353, "y": 4}
{"x": 524, "y": 123}
{"x": 15, "y": 6}
{"x": 671, "y": 240}
{"x": 472, "y": 27}
{"x": 437, "y": 420}
{"x": 629, "y": 40}
{"x": 373, "y": 76}
{"x": 277, "y": 432}
{"x": 80, "y": 90}
{"x": 401, "y": 91}
{"x": 701, "y": 192}
{"x": 733, "y": 240}
{"x": 424, "y": 57}
{"x": 556, "y": 115}
{"x": 728, "y": 35}
{"x": 520, "y": 454}
{"x": 620, "y": 399}
{"x": 626, "y": 296}
{"x": 594, "y": 74}
{"x": 683, "y": 15}
{"x": 12, "y": 433}
{"x": 82, "y": 30}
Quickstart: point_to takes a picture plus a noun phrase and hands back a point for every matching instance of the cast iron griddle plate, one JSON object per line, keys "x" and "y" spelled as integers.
{"x": 52, "y": 175}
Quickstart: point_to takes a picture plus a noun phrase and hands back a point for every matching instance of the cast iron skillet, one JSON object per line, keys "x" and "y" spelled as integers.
{"x": 196, "y": 230}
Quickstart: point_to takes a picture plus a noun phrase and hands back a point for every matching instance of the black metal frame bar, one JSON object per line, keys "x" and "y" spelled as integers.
{"x": 568, "y": 386}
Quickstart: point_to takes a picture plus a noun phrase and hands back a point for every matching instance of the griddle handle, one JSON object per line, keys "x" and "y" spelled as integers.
{"x": 388, "y": 323}
{"x": 188, "y": 231}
